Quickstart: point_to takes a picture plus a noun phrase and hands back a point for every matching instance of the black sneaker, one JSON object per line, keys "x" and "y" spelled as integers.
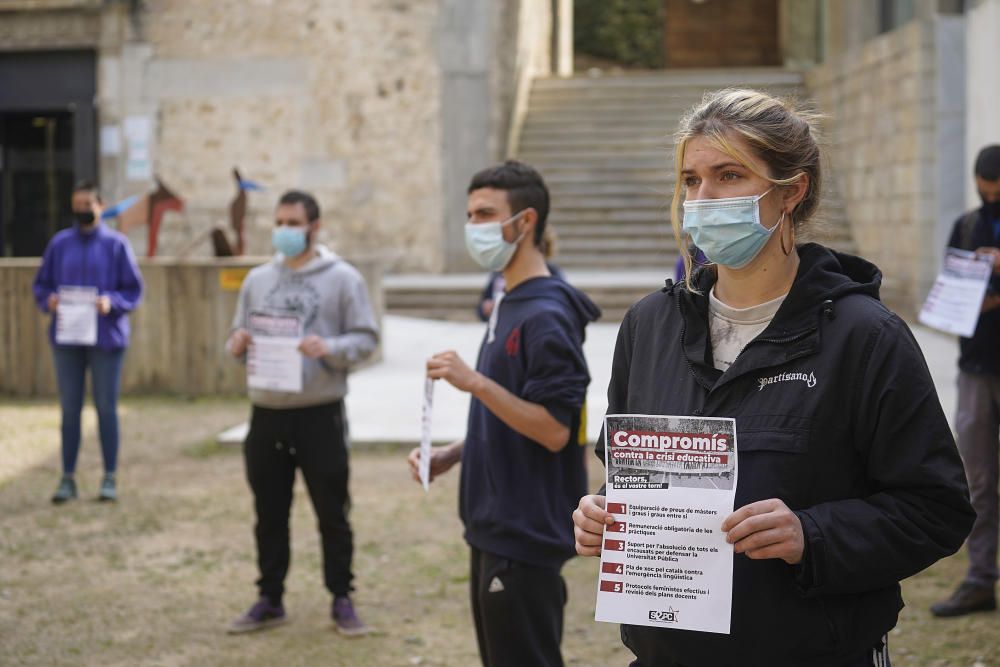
{"x": 65, "y": 491}
{"x": 261, "y": 615}
{"x": 966, "y": 599}
{"x": 108, "y": 491}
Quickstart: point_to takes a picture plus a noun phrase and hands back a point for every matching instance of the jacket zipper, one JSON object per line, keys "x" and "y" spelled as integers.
{"x": 785, "y": 339}
{"x": 84, "y": 264}
{"x": 697, "y": 412}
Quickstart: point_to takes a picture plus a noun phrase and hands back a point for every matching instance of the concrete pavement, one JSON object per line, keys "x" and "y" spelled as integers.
{"x": 385, "y": 400}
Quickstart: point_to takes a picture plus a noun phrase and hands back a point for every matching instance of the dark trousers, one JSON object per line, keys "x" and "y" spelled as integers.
{"x": 313, "y": 440}
{"x": 72, "y": 362}
{"x": 978, "y": 426}
{"x": 518, "y": 611}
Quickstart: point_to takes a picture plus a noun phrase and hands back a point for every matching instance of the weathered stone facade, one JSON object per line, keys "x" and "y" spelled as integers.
{"x": 982, "y": 53}
{"x": 895, "y": 122}
{"x": 380, "y": 108}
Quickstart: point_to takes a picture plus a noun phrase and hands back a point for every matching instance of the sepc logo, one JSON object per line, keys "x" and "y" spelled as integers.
{"x": 668, "y": 616}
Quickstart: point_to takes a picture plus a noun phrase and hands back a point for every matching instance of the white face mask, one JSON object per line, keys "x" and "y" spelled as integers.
{"x": 486, "y": 245}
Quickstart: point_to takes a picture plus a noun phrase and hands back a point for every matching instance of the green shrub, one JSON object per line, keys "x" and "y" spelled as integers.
{"x": 629, "y": 32}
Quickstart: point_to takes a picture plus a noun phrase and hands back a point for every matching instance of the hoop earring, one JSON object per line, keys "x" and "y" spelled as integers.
{"x": 781, "y": 238}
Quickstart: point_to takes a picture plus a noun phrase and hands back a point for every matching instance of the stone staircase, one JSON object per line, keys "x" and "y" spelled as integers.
{"x": 604, "y": 145}
{"x": 454, "y": 296}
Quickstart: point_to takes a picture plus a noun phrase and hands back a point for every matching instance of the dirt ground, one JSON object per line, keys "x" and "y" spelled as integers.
{"x": 155, "y": 579}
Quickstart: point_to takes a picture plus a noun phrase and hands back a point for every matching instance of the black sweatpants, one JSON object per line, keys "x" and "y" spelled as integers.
{"x": 313, "y": 440}
{"x": 518, "y": 611}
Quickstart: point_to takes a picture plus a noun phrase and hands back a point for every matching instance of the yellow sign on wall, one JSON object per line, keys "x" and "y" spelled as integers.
{"x": 231, "y": 279}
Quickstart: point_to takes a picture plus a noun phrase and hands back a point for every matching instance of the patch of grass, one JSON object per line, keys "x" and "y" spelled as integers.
{"x": 155, "y": 579}
{"x": 210, "y": 448}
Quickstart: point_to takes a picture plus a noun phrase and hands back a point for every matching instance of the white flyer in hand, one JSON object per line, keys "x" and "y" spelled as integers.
{"x": 425, "y": 434}
{"x": 274, "y": 362}
{"x": 76, "y": 316}
{"x": 665, "y": 562}
{"x": 956, "y": 298}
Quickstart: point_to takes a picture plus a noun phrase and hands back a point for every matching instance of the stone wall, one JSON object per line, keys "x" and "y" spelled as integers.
{"x": 339, "y": 98}
{"x": 983, "y": 54}
{"x": 892, "y": 123}
{"x": 484, "y": 49}
{"x": 383, "y": 109}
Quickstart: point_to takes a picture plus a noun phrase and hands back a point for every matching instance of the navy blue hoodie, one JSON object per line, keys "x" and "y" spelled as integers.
{"x": 516, "y": 497}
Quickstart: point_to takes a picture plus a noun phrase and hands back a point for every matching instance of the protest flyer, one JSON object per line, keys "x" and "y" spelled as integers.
{"x": 424, "y": 467}
{"x": 665, "y": 562}
{"x": 76, "y": 316}
{"x": 956, "y": 298}
{"x": 274, "y": 362}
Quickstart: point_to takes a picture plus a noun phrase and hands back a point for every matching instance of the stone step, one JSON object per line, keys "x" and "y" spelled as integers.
{"x": 563, "y": 190}
{"x": 598, "y": 155}
{"x": 624, "y": 99}
{"x": 611, "y": 202}
{"x": 454, "y": 297}
{"x": 586, "y": 144}
{"x": 647, "y": 119}
{"x": 681, "y": 100}
{"x": 607, "y": 169}
{"x": 652, "y": 228}
{"x": 560, "y": 216}
{"x": 595, "y": 131}
{"x": 568, "y": 175}
{"x": 616, "y": 244}
{"x": 676, "y": 79}
{"x": 654, "y": 259}
{"x": 638, "y": 109}
{"x": 625, "y": 105}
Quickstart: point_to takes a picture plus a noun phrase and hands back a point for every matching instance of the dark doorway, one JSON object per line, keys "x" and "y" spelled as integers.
{"x": 721, "y": 33}
{"x": 37, "y": 179}
{"x": 47, "y": 141}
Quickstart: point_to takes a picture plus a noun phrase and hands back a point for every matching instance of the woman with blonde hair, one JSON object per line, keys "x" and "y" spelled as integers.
{"x": 849, "y": 479}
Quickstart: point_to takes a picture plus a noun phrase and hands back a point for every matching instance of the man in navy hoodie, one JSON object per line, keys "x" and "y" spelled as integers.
{"x": 521, "y": 465}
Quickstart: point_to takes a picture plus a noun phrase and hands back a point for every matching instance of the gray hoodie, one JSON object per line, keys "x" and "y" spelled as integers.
{"x": 331, "y": 299}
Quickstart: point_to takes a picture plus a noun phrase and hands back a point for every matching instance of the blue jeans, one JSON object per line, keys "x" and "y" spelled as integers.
{"x": 71, "y": 362}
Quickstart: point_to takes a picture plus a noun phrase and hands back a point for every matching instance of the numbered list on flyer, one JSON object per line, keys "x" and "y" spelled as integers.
{"x": 665, "y": 561}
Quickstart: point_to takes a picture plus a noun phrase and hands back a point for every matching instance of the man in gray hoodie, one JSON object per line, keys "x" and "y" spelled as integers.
{"x": 326, "y": 301}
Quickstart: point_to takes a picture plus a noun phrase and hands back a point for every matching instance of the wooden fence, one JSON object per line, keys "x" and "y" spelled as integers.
{"x": 178, "y": 331}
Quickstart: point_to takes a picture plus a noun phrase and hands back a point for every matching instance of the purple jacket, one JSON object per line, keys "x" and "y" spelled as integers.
{"x": 102, "y": 259}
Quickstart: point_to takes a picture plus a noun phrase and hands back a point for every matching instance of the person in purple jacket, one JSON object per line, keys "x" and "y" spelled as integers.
{"x": 88, "y": 259}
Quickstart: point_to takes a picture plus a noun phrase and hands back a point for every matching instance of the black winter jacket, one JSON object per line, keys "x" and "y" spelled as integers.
{"x": 837, "y": 416}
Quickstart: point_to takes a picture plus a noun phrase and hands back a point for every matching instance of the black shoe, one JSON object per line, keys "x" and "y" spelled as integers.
{"x": 66, "y": 490}
{"x": 966, "y": 599}
{"x": 108, "y": 493}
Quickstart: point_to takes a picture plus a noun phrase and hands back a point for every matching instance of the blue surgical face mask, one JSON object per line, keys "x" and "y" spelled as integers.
{"x": 728, "y": 230}
{"x": 289, "y": 241}
{"x": 486, "y": 245}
